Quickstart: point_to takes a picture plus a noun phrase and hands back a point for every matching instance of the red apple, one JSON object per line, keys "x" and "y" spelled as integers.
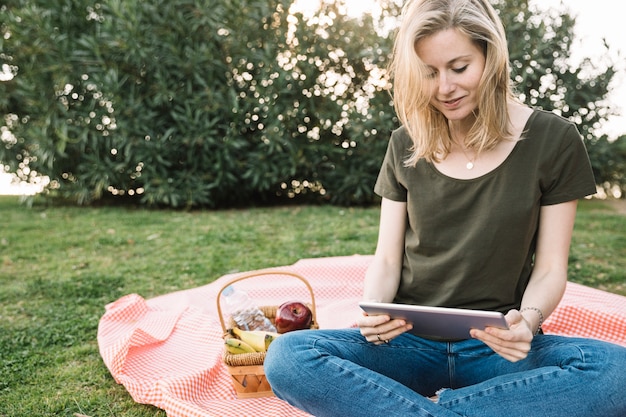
{"x": 293, "y": 315}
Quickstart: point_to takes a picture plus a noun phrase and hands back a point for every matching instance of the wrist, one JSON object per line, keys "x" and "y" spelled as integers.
{"x": 537, "y": 317}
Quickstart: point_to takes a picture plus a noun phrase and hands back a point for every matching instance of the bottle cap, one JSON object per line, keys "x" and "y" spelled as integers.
{"x": 228, "y": 291}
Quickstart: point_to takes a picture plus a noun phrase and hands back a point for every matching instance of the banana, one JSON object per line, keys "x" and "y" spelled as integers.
{"x": 234, "y": 350}
{"x": 258, "y": 339}
{"x": 269, "y": 338}
{"x": 253, "y": 338}
{"x": 236, "y": 346}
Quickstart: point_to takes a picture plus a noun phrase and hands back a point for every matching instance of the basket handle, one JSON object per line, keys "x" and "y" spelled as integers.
{"x": 257, "y": 274}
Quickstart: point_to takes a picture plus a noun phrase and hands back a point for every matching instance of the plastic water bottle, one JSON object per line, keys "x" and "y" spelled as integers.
{"x": 244, "y": 312}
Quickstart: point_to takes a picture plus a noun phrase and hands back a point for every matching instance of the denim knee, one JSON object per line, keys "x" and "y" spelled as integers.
{"x": 279, "y": 360}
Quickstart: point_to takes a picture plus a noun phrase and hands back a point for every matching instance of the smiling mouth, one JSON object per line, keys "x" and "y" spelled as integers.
{"x": 452, "y": 103}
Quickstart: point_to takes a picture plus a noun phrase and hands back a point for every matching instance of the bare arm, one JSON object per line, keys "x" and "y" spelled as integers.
{"x": 383, "y": 275}
{"x": 545, "y": 288}
{"x": 547, "y": 283}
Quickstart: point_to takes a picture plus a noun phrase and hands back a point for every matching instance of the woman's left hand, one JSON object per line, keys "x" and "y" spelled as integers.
{"x": 512, "y": 344}
{"x": 380, "y": 329}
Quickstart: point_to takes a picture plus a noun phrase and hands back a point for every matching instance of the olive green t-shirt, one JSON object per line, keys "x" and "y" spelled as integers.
{"x": 470, "y": 243}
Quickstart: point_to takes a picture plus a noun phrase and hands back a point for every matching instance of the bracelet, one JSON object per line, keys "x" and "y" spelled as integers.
{"x": 539, "y": 312}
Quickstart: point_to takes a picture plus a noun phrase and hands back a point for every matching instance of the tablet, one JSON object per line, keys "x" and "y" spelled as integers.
{"x": 438, "y": 323}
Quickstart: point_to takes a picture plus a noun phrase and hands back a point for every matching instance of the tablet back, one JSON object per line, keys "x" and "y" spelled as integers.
{"x": 438, "y": 323}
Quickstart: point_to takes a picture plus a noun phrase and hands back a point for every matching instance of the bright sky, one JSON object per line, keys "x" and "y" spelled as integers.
{"x": 596, "y": 20}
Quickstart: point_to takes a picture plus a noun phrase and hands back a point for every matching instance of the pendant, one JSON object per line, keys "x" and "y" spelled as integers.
{"x": 469, "y": 165}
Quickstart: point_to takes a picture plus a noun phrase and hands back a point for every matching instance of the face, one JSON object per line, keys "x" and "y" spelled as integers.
{"x": 456, "y": 64}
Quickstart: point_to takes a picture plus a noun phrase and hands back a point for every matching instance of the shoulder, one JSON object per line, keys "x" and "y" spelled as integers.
{"x": 549, "y": 129}
{"x": 561, "y": 162}
{"x": 401, "y": 135}
{"x": 400, "y": 143}
{"x": 547, "y": 119}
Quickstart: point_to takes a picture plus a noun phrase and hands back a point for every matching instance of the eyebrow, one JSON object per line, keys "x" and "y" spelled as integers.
{"x": 459, "y": 58}
{"x": 453, "y": 60}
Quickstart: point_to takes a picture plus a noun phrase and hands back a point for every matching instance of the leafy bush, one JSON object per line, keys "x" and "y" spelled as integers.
{"x": 193, "y": 103}
{"x": 608, "y": 160}
{"x": 214, "y": 103}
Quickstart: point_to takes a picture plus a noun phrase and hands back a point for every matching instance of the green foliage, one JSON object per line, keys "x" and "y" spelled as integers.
{"x": 539, "y": 46}
{"x": 608, "y": 159}
{"x": 542, "y": 71}
{"x": 214, "y": 103}
{"x": 194, "y": 103}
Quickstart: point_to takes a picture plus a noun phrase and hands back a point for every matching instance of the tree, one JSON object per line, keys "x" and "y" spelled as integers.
{"x": 608, "y": 160}
{"x": 540, "y": 47}
{"x": 543, "y": 72}
{"x": 213, "y": 103}
{"x": 186, "y": 103}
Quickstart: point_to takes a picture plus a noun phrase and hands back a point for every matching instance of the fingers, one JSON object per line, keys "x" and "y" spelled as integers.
{"x": 372, "y": 321}
{"x": 505, "y": 344}
{"x": 380, "y": 329}
{"x": 512, "y": 344}
{"x": 380, "y": 339}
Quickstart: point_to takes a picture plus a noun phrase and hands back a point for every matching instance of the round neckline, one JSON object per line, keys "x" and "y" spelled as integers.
{"x": 504, "y": 162}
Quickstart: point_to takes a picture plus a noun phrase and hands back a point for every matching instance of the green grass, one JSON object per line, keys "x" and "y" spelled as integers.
{"x": 598, "y": 250}
{"x": 61, "y": 265}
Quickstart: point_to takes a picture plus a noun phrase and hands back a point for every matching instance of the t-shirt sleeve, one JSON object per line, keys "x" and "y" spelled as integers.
{"x": 571, "y": 176}
{"x": 387, "y": 184}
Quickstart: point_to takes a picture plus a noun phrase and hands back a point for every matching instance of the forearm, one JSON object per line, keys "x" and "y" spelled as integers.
{"x": 549, "y": 277}
{"x": 381, "y": 280}
{"x": 542, "y": 296}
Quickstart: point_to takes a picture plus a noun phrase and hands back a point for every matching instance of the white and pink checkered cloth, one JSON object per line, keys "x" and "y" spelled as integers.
{"x": 167, "y": 351}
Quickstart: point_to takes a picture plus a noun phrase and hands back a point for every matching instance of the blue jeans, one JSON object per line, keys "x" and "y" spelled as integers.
{"x": 338, "y": 373}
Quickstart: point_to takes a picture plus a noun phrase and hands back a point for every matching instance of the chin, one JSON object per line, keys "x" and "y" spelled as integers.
{"x": 459, "y": 115}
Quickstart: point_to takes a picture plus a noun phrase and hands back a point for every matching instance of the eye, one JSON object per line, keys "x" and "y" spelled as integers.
{"x": 460, "y": 70}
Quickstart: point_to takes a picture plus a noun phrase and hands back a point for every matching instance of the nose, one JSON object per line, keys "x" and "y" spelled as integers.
{"x": 446, "y": 84}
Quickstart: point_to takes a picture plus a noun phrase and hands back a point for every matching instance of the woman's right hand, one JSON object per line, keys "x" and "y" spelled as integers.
{"x": 380, "y": 328}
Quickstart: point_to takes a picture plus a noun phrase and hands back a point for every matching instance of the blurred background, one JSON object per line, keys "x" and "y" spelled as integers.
{"x": 225, "y": 103}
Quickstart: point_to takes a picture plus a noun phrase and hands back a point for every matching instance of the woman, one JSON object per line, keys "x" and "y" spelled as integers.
{"x": 478, "y": 204}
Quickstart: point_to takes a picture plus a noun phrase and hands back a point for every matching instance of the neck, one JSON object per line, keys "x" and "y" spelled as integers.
{"x": 459, "y": 129}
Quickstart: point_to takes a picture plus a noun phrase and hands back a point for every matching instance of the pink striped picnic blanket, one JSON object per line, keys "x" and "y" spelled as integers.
{"x": 167, "y": 351}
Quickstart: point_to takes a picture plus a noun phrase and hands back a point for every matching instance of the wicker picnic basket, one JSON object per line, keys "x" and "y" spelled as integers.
{"x": 246, "y": 369}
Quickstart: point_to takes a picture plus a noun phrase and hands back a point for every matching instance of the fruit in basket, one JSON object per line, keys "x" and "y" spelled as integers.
{"x": 269, "y": 338}
{"x": 237, "y": 346}
{"x": 259, "y": 340}
{"x": 293, "y": 315}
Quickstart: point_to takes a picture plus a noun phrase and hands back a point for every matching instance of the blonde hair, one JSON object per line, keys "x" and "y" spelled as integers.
{"x": 427, "y": 127}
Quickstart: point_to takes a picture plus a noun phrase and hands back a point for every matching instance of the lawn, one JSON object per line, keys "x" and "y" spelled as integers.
{"x": 61, "y": 265}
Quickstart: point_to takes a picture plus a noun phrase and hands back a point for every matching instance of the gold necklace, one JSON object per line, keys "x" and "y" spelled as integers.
{"x": 470, "y": 162}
